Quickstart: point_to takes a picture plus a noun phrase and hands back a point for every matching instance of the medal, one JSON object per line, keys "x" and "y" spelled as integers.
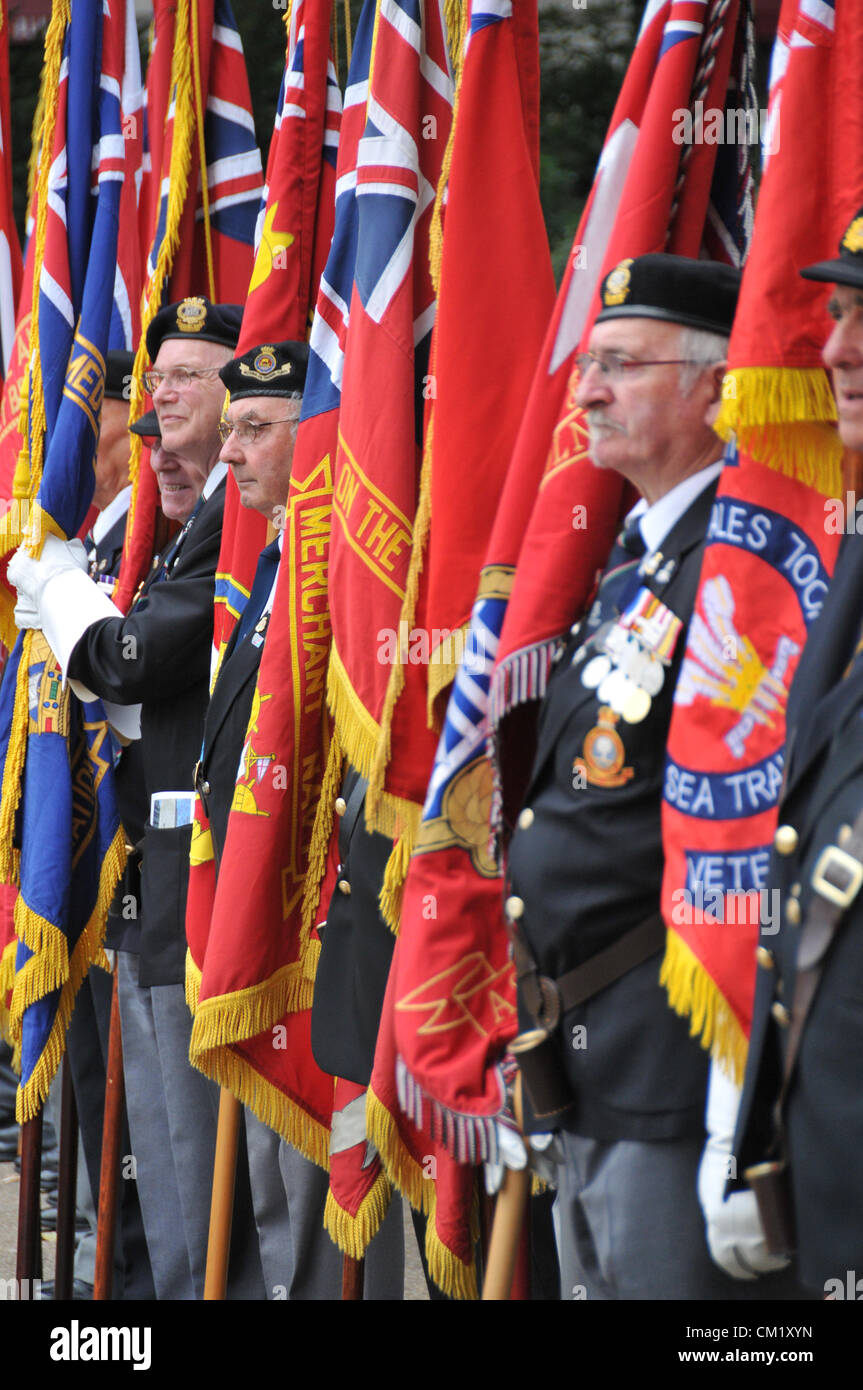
{"x": 595, "y": 671}
{"x": 636, "y": 705}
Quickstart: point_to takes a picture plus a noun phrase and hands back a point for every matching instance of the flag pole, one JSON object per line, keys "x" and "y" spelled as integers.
{"x": 67, "y": 1181}
{"x": 222, "y": 1204}
{"x": 29, "y": 1258}
{"x": 115, "y": 1092}
{"x": 353, "y": 1279}
{"x": 509, "y": 1215}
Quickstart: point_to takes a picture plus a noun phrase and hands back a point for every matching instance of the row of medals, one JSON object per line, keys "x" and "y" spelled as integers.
{"x": 626, "y": 675}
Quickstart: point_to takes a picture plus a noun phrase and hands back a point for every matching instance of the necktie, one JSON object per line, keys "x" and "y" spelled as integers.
{"x": 620, "y": 574}
{"x": 268, "y": 564}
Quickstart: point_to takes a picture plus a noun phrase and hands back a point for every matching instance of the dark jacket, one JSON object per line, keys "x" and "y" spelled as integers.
{"x": 823, "y": 1115}
{"x": 587, "y": 863}
{"x": 159, "y": 656}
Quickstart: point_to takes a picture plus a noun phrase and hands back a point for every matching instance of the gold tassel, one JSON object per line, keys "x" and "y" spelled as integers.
{"x": 13, "y": 769}
{"x": 694, "y": 994}
{"x": 244, "y": 1013}
{"x": 32, "y": 1096}
{"x": 193, "y": 984}
{"x": 271, "y": 1106}
{"x": 395, "y": 875}
{"x": 783, "y": 417}
{"x": 7, "y": 979}
{"x": 456, "y": 1279}
{"x": 321, "y": 832}
{"x": 178, "y": 183}
{"x": 354, "y": 1234}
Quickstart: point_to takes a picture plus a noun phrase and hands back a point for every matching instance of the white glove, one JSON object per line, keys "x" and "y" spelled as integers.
{"x": 540, "y": 1152}
{"x": 734, "y": 1232}
{"x": 30, "y": 576}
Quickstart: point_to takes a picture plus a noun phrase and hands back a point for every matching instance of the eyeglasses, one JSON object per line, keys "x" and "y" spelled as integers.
{"x": 247, "y": 430}
{"x": 613, "y": 366}
{"x": 178, "y": 379}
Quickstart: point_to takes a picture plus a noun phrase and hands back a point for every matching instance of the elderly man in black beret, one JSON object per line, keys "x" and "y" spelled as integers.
{"x": 585, "y": 862}
{"x": 155, "y": 662}
{"x": 800, "y": 1130}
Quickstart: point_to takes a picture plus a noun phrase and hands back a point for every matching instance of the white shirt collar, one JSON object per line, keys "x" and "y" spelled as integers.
{"x": 218, "y": 472}
{"x": 656, "y": 521}
{"x": 117, "y": 507}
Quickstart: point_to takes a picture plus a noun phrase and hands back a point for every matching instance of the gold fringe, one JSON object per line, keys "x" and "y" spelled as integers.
{"x": 202, "y": 152}
{"x": 693, "y": 993}
{"x": 456, "y": 19}
{"x": 395, "y": 874}
{"x": 7, "y": 980}
{"x": 321, "y": 833}
{"x": 271, "y": 1106}
{"x": 178, "y": 183}
{"x": 443, "y": 669}
{"x": 32, "y": 1097}
{"x": 193, "y": 983}
{"x": 454, "y": 1278}
{"x": 357, "y": 731}
{"x": 782, "y": 417}
{"x": 354, "y": 1234}
{"x": 49, "y": 968}
{"x": 244, "y": 1013}
{"x": 13, "y": 769}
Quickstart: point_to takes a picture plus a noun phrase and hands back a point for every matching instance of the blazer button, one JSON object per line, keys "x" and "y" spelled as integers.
{"x": 781, "y": 1014}
{"x": 526, "y": 819}
{"x": 341, "y": 805}
{"x": 845, "y": 833}
{"x": 514, "y": 908}
{"x": 344, "y": 887}
{"x": 793, "y": 912}
{"x": 764, "y": 957}
{"x": 205, "y": 788}
{"x": 785, "y": 839}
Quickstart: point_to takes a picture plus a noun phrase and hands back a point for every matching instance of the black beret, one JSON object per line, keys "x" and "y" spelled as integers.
{"x": 147, "y": 426}
{"x": 674, "y": 289}
{"x": 274, "y": 369}
{"x": 195, "y": 318}
{"x": 848, "y": 268}
{"x": 118, "y": 374}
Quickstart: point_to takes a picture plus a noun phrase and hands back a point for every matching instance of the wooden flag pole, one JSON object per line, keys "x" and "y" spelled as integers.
{"x": 106, "y": 1220}
{"x": 222, "y": 1204}
{"x": 28, "y": 1266}
{"x": 67, "y": 1185}
{"x": 506, "y": 1229}
{"x": 353, "y": 1278}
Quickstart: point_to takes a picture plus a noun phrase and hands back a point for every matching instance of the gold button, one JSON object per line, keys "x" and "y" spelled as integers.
{"x": 514, "y": 908}
{"x": 764, "y": 958}
{"x": 845, "y": 833}
{"x": 130, "y": 849}
{"x": 795, "y": 890}
{"x": 526, "y": 819}
{"x": 781, "y": 1014}
{"x": 786, "y": 839}
{"x": 205, "y": 789}
{"x": 341, "y": 805}
{"x": 344, "y": 887}
{"x": 793, "y": 912}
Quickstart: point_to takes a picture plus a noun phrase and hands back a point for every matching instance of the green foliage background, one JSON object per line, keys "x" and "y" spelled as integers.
{"x": 584, "y": 49}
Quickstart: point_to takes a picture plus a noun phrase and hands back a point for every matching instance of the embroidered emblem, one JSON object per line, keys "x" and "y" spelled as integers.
{"x": 853, "y": 238}
{"x": 616, "y": 288}
{"x": 191, "y": 315}
{"x": 603, "y": 754}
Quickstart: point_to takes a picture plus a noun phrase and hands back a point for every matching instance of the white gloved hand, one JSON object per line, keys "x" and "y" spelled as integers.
{"x": 30, "y": 576}
{"x": 734, "y": 1233}
{"x": 26, "y": 613}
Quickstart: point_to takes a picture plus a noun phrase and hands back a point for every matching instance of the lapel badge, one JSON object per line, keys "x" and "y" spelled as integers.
{"x": 603, "y": 754}
{"x": 664, "y": 575}
{"x": 651, "y": 563}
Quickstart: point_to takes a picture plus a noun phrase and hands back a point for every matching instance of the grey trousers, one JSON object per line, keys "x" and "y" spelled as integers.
{"x": 629, "y": 1226}
{"x": 298, "y": 1258}
{"x": 173, "y": 1115}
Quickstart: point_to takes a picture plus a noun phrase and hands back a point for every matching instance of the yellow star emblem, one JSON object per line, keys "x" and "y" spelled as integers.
{"x": 271, "y": 250}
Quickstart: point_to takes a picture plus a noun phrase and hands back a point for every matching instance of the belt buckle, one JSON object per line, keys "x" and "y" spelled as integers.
{"x": 548, "y": 1013}
{"x": 847, "y": 867}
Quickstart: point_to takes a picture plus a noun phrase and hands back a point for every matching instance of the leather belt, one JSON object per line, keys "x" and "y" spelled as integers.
{"x": 549, "y": 999}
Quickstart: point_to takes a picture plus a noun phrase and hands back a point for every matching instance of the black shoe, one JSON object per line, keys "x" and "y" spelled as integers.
{"x": 49, "y": 1217}
{"x": 81, "y": 1292}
